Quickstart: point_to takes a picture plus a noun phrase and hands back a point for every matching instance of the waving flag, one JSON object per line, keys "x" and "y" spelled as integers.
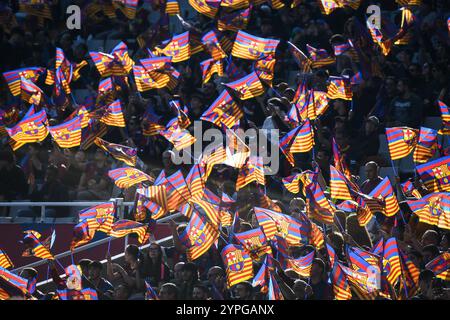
{"x": 440, "y": 266}
{"x": 302, "y": 265}
{"x": 198, "y": 236}
{"x": 239, "y": 266}
{"x": 433, "y": 209}
{"x": 127, "y": 177}
{"x": 445, "y": 115}
{"x": 210, "y": 67}
{"x": 247, "y": 46}
{"x": 124, "y": 227}
{"x": 401, "y": 141}
{"x": 292, "y": 183}
{"x": 36, "y": 248}
{"x": 319, "y": 206}
{"x": 426, "y": 145}
{"x": 122, "y": 153}
{"x": 328, "y": 6}
{"x": 235, "y": 20}
{"x": 252, "y": 171}
{"x": 339, "y": 88}
{"x": 265, "y": 69}
{"x": 275, "y": 223}
{"x": 408, "y": 20}
{"x": 176, "y": 188}
{"x": 392, "y": 256}
{"x": 320, "y": 57}
{"x": 237, "y": 152}
{"x": 362, "y": 260}
{"x": 435, "y": 174}
{"x": 13, "y": 78}
{"x": 180, "y": 138}
{"x": 14, "y": 280}
{"x": 5, "y": 261}
{"x": 338, "y": 185}
{"x": 208, "y": 8}
{"x": 212, "y": 45}
{"x": 113, "y": 116}
{"x": 338, "y": 278}
{"x": 150, "y": 293}
{"x": 247, "y": 87}
{"x": 67, "y": 134}
{"x": 82, "y": 234}
{"x": 99, "y": 217}
{"x": 224, "y": 110}
{"x": 117, "y": 63}
{"x": 297, "y": 140}
{"x": 172, "y": 7}
{"x": 177, "y": 47}
{"x": 409, "y": 190}
{"x": 196, "y": 180}
{"x": 151, "y": 125}
{"x": 29, "y": 92}
{"x": 254, "y": 242}
{"x": 32, "y": 128}
{"x": 385, "y": 191}
{"x": 303, "y": 62}
{"x": 128, "y": 7}
{"x": 339, "y": 161}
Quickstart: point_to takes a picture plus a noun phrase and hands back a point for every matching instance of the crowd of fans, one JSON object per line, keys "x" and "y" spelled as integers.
{"x": 402, "y": 90}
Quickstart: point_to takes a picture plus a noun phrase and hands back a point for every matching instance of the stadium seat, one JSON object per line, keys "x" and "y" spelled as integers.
{"x": 383, "y": 150}
{"x": 96, "y": 45}
{"x": 406, "y": 164}
{"x": 433, "y": 122}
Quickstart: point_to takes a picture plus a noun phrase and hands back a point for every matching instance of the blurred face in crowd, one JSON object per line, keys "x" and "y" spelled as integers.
{"x": 241, "y": 292}
{"x": 444, "y": 243}
{"x": 186, "y": 275}
{"x": 166, "y": 293}
{"x": 296, "y": 206}
{"x": 196, "y": 105}
{"x": 316, "y": 270}
{"x": 99, "y": 156}
{"x": 80, "y": 156}
{"x": 302, "y": 290}
{"x": 120, "y": 292}
{"x": 371, "y": 171}
{"x": 154, "y": 251}
{"x": 177, "y": 270}
{"x": 401, "y": 87}
{"x": 199, "y": 294}
{"x": 390, "y": 86}
{"x": 94, "y": 273}
{"x": 370, "y": 127}
{"x": 216, "y": 277}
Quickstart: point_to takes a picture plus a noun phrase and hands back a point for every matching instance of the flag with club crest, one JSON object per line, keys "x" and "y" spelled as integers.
{"x": 224, "y": 110}
{"x": 339, "y": 88}
{"x": 320, "y": 57}
{"x": 385, "y": 192}
{"x": 235, "y": 20}
{"x": 67, "y": 134}
{"x": 253, "y": 170}
{"x": 208, "y": 8}
{"x": 401, "y": 141}
{"x": 13, "y": 78}
{"x": 35, "y": 247}
{"x": 210, "y": 67}
{"x": 119, "y": 152}
{"x": 126, "y": 177}
{"x": 247, "y": 46}
{"x": 435, "y": 174}
{"x": 303, "y": 62}
{"x": 116, "y": 63}
{"x": 99, "y": 217}
{"x": 212, "y": 45}
{"x": 433, "y": 209}
{"x": 177, "y": 47}
{"x": 247, "y": 87}
{"x": 238, "y": 264}
{"x": 426, "y": 145}
{"x": 410, "y": 190}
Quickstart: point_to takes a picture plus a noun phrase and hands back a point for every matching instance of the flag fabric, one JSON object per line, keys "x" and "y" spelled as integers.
{"x": 328, "y": 6}
{"x": 300, "y": 139}
{"x": 385, "y": 191}
{"x": 338, "y": 278}
{"x": 30, "y": 92}
{"x": 401, "y": 141}
{"x": 302, "y": 265}
{"x": 239, "y": 266}
{"x": 405, "y": 34}
{"x": 64, "y": 73}
{"x": 128, "y": 7}
{"x": 95, "y": 129}
{"x": 82, "y": 234}
{"x": 212, "y": 45}
{"x": 196, "y": 180}
{"x": 67, "y": 134}
{"x": 224, "y": 110}
{"x": 14, "y": 280}
{"x": 117, "y": 63}
{"x": 292, "y": 183}
{"x": 445, "y": 115}
{"x": 32, "y": 128}
{"x": 303, "y": 62}
{"x": 435, "y": 174}
{"x": 409, "y": 190}
{"x": 172, "y": 7}
{"x": 433, "y": 209}
{"x": 339, "y": 161}
{"x": 339, "y": 88}
{"x": 198, "y": 236}
{"x": 320, "y": 57}
{"x": 265, "y": 69}
{"x": 319, "y": 207}
{"x": 247, "y": 87}
{"x": 254, "y": 242}
{"x": 5, "y": 261}
{"x": 126, "y": 177}
{"x": 278, "y": 224}
{"x": 176, "y": 189}
{"x": 208, "y": 8}
{"x": 392, "y": 257}
{"x": 426, "y": 145}
{"x": 99, "y": 217}
{"x": 151, "y": 125}
{"x": 36, "y": 248}
{"x": 150, "y": 293}
{"x": 177, "y": 47}
{"x": 210, "y": 67}
{"x": 180, "y": 138}
{"x": 440, "y": 266}
{"x": 236, "y": 150}
{"x": 235, "y": 20}
{"x": 247, "y": 46}
{"x": 338, "y": 185}
{"x": 119, "y": 152}
{"x": 252, "y": 171}
{"x": 122, "y": 228}
{"x": 13, "y": 78}
{"x": 112, "y": 115}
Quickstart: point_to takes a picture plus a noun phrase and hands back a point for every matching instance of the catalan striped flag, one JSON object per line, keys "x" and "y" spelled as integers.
{"x": 433, "y": 209}
{"x": 67, "y": 134}
{"x": 239, "y": 266}
{"x": 292, "y": 183}
{"x": 361, "y": 260}
{"x": 35, "y": 248}
{"x": 278, "y": 224}
{"x": 320, "y": 57}
{"x": 377, "y": 37}
{"x": 150, "y": 293}
{"x": 338, "y": 185}
{"x": 252, "y": 171}
{"x": 151, "y": 125}
{"x": 247, "y": 87}
{"x": 127, "y": 177}
{"x": 180, "y": 138}
{"x": 183, "y": 120}
{"x": 302, "y": 265}
{"x": 113, "y": 115}
{"x": 177, "y": 47}
{"x": 82, "y": 113}
{"x": 8, "y": 117}
{"x": 128, "y": 7}
{"x": 212, "y": 45}
{"x": 445, "y": 115}
{"x": 224, "y": 110}
{"x": 339, "y": 88}
{"x": 385, "y": 191}
{"x": 176, "y": 188}
{"x": 210, "y": 67}
{"x": 436, "y": 174}
{"x": 216, "y": 155}
{"x": 440, "y": 266}
{"x": 99, "y": 217}
{"x": 196, "y": 180}
{"x": 117, "y": 63}
{"x": 13, "y": 280}
{"x": 328, "y": 6}
{"x": 13, "y": 78}
{"x": 338, "y": 278}
{"x": 410, "y": 190}
{"x": 32, "y": 128}
{"x": 95, "y": 129}
{"x": 64, "y": 73}
{"x": 340, "y": 49}
{"x": 391, "y": 255}
{"x": 300, "y": 139}
{"x": 319, "y": 207}
{"x": 247, "y": 46}
{"x": 172, "y": 7}
{"x": 254, "y": 241}
{"x": 119, "y": 152}
{"x": 265, "y": 68}
{"x": 234, "y": 21}
{"x": 408, "y": 20}
{"x": 339, "y": 161}
{"x": 5, "y": 261}
{"x": 303, "y": 62}
{"x": 122, "y": 228}
{"x": 360, "y": 282}
{"x": 234, "y": 4}
{"x": 81, "y": 234}
{"x": 30, "y": 93}
{"x": 144, "y": 81}
{"x": 208, "y": 8}
{"x": 401, "y": 141}
{"x": 261, "y": 278}
{"x": 198, "y": 236}
{"x": 426, "y": 145}
{"x": 411, "y": 278}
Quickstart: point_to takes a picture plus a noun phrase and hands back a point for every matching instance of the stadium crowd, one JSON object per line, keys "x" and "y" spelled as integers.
{"x": 400, "y": 89}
